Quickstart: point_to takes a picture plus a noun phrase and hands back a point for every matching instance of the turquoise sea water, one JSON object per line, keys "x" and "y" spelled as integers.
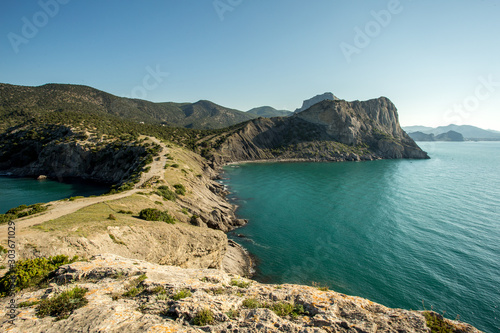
{"x": 398, "y": 232}
{"x": 18, "y": 191}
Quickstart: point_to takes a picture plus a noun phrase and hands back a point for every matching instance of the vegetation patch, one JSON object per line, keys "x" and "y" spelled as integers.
{"x": 153, "y": 214}
{"x": 437, "y": 324}
{"x": 22, "y": 211}
{"x": 180, "y": 189}
{"x": 116, "y": 240}
{"x": 135, "y": 286}
{"x": 166, "y": 193}
{"x": 63, "y": 305}
{"x": 320, "y": 286}
{"x": 184, "y": 293}
{"x": 204, "y": 317}
{"x": 31, "y": 272}
{"x": 240, "y": 283}
{"x": 281, "y": 309}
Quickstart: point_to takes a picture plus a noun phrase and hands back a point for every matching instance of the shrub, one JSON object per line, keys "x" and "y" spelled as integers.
{"x": 63, "y": 305}
{"x": 153, "y": 214}
{"x": 175, "y": 165}
{"x": 134, "y": 287}
{"x": 117, "y": 241}
{"x": 204, "y": 317}
{"x": 239, "y": 283}
{"x": 436, "y": 323}
{"x": 30, "y": 272}
{"x": 180, "y": 189}
{"x": 184, "y": 293}
{"x": 251, "y": 303}
{"x": 166, "y": 193}
{"x": 22, "y": 211}
{"x": 121, "y": 211}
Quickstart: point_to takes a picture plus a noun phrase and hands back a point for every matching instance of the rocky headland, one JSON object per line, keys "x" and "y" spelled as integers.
{"x": 127, "y": 295}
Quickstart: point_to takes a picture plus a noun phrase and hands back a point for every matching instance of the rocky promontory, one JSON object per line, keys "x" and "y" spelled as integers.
{"x": 127, "y": 295}
{"x": 331, "y": 130}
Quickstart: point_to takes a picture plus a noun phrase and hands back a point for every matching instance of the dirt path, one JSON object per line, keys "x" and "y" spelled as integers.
{"x": 61, "y": 208}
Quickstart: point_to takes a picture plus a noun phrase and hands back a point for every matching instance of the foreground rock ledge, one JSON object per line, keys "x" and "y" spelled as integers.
{"x": 154, "y": 309}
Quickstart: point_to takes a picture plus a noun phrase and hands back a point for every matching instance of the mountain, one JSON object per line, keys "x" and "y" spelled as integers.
{"x": 448, "y": 136}
{"x": 316, "y": 99}
{"x": 332, "y": 130}
{"x": 19, "y": 103}
{"x": 468, "y": 132}
{"x": 269, "y": 112}
{"x": 412, "y": 129}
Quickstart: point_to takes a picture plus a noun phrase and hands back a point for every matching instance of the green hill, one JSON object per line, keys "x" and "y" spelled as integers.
{"x": 20, "y": 103}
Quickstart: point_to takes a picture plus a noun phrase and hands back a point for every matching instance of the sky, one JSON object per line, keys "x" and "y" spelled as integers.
{"x": 438, "y": 61}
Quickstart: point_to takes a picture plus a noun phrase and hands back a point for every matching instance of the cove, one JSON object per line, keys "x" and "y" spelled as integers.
{"x": 18, "y": 191}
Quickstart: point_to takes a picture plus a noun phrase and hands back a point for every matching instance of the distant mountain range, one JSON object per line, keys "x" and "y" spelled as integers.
{"x": 467, "y": 131}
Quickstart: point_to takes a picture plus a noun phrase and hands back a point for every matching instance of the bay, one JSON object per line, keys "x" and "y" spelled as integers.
{"x": 18, "y": 191}
{"x": 404, "y": 233}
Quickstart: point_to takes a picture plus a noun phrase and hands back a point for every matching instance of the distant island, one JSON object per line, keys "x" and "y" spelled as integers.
{"x": 451, "y": 133}
{"x": 448, "y": 136}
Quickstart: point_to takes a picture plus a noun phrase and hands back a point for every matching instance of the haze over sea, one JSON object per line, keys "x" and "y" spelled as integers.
{"x": 398, "y": 232}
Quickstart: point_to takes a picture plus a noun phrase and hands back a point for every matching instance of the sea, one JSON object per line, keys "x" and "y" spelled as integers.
{"x": 27, "y": 191}
{"x": 412, "y": 234}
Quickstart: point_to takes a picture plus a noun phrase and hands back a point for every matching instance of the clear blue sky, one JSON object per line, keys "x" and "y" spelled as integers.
{"x": 438, "y": 61}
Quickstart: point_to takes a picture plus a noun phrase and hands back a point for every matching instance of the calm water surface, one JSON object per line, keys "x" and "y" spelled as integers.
{"x": 27, "y": 191}
{"x": 398, "y": 232}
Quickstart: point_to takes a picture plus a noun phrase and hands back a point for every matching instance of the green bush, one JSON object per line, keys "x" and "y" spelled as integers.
{"x": 30, "y": 272}
{"x": 436, "y": 323}
{"x": 166, "y": 193}
{"x": 22, "y": 211}
{"x": 180, "y": 189}
{"x": 204, "y": 317}
{"x": 181, "y": 294}
{"x": 239, "y": 283}
{"x": 251, "y": 303}
{"x": 135, "y": 287}
{"x": 63, "y": 305}
{"x": 281, "y": 309}
{"x": 153, "y": 214}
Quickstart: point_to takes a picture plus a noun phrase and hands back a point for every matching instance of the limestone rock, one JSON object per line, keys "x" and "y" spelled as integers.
{"x": 157, "y": 309}
{"x": 316, "y": 99}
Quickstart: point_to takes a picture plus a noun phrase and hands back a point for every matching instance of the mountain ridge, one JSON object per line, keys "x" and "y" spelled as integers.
{"x": 51, "y": 97}
{"x": 469, "y": 132}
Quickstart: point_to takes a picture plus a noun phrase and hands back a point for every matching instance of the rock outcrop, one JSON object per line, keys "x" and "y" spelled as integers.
{"x": 59, "y": 152}
{"x": 211, "y": 301}
{"x": 331, "y": 130}
{"x": 316, "y": 99}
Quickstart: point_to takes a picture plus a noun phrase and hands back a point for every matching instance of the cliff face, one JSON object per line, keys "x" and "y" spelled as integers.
{"x": 228, "y": 304}
{"x": 332, "y": 130}
{"x": 59, "y": 152}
